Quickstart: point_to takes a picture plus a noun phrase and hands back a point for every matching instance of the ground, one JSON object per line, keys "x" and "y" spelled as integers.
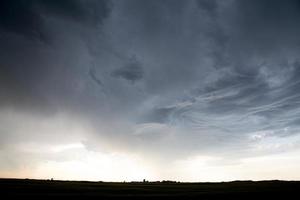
{"x": 145, "y": 190}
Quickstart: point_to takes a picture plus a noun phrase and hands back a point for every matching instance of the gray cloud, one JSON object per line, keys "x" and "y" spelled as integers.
{"x": 132, "y": 71}
{"x": 207, "y": 5}
{"x": 28, "y": 17}
{"x": 94, "y": 77}
{"x": 207, "y": 77}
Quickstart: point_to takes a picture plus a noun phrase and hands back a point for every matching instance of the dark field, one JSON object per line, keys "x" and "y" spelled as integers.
{"x": 227, "y": 190}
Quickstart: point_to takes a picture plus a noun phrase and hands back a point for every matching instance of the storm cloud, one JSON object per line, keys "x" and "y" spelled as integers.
{"x": 29, "y": 17}
{"x": 132, "y": 71}
{"x": 161, "y": 79}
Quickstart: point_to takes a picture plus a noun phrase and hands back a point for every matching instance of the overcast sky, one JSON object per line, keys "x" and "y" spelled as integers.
{"x": 189, "y": 90}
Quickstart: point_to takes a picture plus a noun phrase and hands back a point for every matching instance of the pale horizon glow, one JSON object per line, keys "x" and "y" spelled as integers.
{"x": 118, "y": 168}
{"x": 75, "y": 161}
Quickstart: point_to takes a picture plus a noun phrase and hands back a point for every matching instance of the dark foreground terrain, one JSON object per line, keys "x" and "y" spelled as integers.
{"x": 227, "y": 190}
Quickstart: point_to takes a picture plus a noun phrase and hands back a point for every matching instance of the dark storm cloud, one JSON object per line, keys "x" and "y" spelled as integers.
{"x": 36, "y": 74}
{"x": 81, "y": 11}
{"x": 242, "y": 105}
{"x": 20, "y": 17}
{"x": 208, "y": 5}
{"x": 265, "y": 27}
{"x": 27, "y": 17}
{"x": 206, "y": 75}
{"x": 254, "y": 86}
{"x": 158, "y": 115}
{"x": 94, "y": 77}
{"x": 269, "y": 20}
{"x": 132, "y": 71}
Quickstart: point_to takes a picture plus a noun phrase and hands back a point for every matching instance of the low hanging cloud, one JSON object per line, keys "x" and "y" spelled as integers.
{"x": 167, "y": 78}
{"x": 29, "y": 17}
{"x": 94, "y": 77}
{"x": 132, "y": 71}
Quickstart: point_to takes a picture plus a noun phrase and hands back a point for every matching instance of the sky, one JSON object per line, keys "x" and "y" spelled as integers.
{"x": 185, "y": 90}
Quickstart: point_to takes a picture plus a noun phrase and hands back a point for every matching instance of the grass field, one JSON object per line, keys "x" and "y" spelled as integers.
{"x": 226, "y": 190}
